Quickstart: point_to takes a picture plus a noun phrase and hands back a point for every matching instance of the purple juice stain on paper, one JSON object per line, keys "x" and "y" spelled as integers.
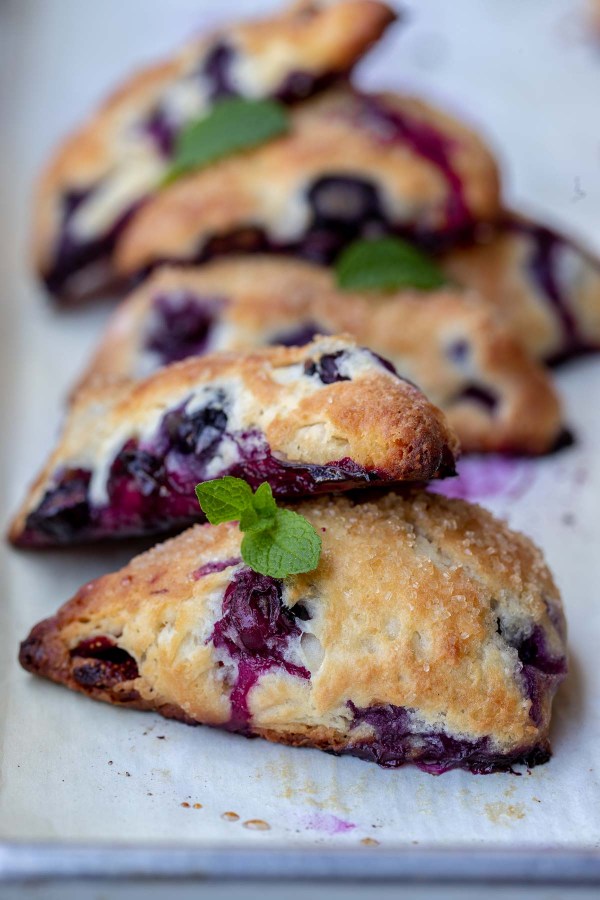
{"x": 327, "y": 823}
{"x": 503, "y": 477}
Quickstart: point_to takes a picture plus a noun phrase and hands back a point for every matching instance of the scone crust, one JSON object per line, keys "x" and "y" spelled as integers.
{"x": 263, "y": 297}
{"x": 318, "y": 38}
{"x": 334, "y": 134}
{"x": 380, "y": 421}
{"x": 405, "y": 610}
{"x": 499, "y": 266}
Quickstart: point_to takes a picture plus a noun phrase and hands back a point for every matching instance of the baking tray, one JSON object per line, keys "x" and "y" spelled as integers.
{"x": 92, "y": 791}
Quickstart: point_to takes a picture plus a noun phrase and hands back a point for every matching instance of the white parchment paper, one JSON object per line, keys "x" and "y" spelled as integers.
{"x": 75, "y": 770}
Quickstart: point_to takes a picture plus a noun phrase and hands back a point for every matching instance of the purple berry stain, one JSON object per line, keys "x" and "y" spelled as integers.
{"x": 393, "y": 125}
{"x": 542, "y": 672}
{"x": 181, "y": 325}
{"x": 396, "y": 740}
{"x": 72, "y": 255}
{"x": 490, "y": 477}
{"x": 480, "y": 395}
{"x": 298, "y": 336}
{"x": 151, "y": 487}
{"x": 255, "y": 630}
{"x": 161, "y": 131}
{"x": 217, "y": 566}
{"x": 327, "y": 822}
{"x": 216, "y": 71}
{"x": 543, "y": 268}
{"x": 327, "y": 367}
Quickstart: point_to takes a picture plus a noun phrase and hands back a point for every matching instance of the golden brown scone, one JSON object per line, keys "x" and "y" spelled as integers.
{"x": 324, "y": 417}
{"x": 106, "y": 168}
{"x": 429, "y": 633}
{"x": 546, "y": 286}
{"x": 449, "y": 342}
{"x": 352, "y": 164}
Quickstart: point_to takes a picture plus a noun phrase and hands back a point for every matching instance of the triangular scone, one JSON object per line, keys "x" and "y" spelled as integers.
{"x": 449, "y": 342}
{"x": 353, "y": 164}
{"x": 429, "y": 633}
{"x": 546, "y": 286}
{"x": 106, "y": 168}
{"x": 324, "y": 417}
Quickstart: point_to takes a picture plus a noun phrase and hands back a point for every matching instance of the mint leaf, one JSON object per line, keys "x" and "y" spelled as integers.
{"x": 224, "y": 499}
{"x": 249, "y": 519}
{"x": 264, "y": 504}
{"x": 386, "y": 264}
{"x": 232, "y": 125}
{"x": 262, "y": 512}
{"x": 277, "y": 542}
{"x": 290, "y": 546}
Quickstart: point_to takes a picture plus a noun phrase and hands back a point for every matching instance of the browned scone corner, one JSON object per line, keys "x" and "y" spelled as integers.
{"x": 429, "y": 634}
{"x": 98, "y": 668}
{"x": 451, "y": 342}
{"x": 103, "y": 172}
{"x": 327, "y": 416}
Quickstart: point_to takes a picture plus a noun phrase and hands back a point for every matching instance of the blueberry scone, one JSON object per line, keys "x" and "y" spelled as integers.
{"x": 428, "y": 634}
{"x": 449, "y": 341}
{"x": 105, "y": 170}
{"x": 328, "y": 416}
{"x": 352, "y": 164}
{"x": 547, "y": 286}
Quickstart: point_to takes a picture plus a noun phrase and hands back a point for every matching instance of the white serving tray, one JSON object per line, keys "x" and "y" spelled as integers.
{"x": 79, "y": 780}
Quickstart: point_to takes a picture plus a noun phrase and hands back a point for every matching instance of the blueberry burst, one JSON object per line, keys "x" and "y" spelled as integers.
{"x": 329, "y": 416}
{"x": 425, "y": 632}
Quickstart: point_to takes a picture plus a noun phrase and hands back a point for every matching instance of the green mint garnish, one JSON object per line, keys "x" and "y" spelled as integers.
{"x": 232, "y": 125}
{"x": 385, "y": 264}
{"x": 276, "y": 542}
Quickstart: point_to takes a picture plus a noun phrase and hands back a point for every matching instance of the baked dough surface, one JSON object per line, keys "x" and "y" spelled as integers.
{"x": 331, "y": 408}
{"x": 380, "y": 142}
{"x": 117, "y": 157}
{"x": 450, "y": 342}
{"x": 544, "y": 284}
{"x": 422, "y": 607}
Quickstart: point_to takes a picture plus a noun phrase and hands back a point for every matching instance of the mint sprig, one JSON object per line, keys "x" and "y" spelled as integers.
{"x": 276, "y": 542}
{"x": 232, "y": 125}
{"x": 386, "y": 264}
